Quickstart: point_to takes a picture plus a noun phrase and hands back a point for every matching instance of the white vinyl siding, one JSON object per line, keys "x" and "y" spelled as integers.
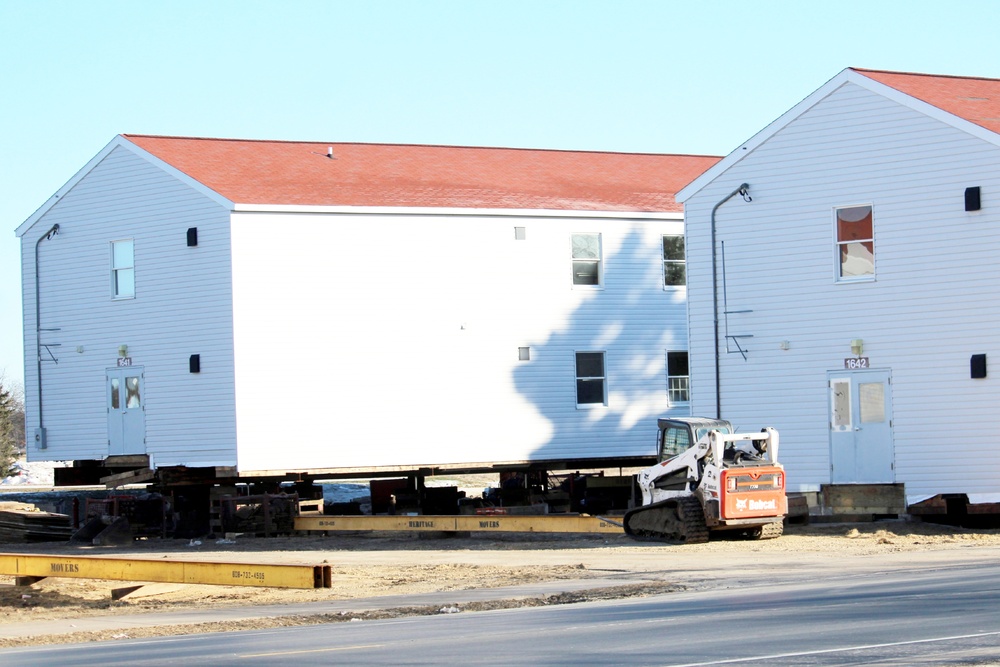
{"x": 439, "y": 363}
{"x": 934, "y": 303}
{"x": 185, "y": 308}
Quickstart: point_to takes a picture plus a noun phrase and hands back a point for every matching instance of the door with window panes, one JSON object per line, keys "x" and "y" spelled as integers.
{"x": 124, "y": 392}
{"x": 861, "y": 427}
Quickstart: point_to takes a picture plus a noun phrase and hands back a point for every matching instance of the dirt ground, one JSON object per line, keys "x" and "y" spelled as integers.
{"x": 368, "y": 565}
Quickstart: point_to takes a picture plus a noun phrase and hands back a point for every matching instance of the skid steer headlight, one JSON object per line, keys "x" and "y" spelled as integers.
{"x": 730, "y": 484}
{"x": 778, "y": 481}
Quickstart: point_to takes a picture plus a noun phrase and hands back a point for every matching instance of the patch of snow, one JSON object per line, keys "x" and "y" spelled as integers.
{"x": 36, "y": 473}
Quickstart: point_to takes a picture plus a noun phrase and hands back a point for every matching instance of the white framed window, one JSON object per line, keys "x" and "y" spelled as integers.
{"x": 855, "y": 243}
{"x": 678, "y": 378}
{"x": 123, "y": 269}
{"x": 587, "y": 269}
{"x": 591, "y": 381}
{"x": 674, "y": 265}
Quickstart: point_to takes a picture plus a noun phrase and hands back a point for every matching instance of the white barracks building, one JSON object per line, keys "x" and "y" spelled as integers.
{"x": 855, "y": 299}
{"x": 281, "y": 306}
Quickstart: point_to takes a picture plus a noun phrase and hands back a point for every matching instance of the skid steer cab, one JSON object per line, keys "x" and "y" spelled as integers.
{"x": 710, "y": 479}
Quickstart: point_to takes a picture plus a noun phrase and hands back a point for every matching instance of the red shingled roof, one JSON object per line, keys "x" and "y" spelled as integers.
{"x": 286, "y": 172}
{"x": 974, "y": 99}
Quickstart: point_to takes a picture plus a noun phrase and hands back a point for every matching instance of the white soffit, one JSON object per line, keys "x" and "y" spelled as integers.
{"x": 470, "y": 212}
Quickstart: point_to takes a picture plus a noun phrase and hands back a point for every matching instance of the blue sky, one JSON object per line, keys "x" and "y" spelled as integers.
{"x": 622, "y": 75}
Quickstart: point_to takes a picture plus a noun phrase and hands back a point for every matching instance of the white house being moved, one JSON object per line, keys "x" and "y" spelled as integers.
{"x": 854, "y": 300}
{"x": 264, "y": 306}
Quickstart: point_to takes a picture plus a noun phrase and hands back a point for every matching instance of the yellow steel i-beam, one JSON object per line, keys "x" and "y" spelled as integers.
{"x": 493, "y": 523}
{"x": 36, "y": 566}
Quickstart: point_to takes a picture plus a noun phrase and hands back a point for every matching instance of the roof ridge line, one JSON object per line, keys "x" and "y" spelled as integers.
{"x": 412, "y": 145}
{"x": 862, "y": 70}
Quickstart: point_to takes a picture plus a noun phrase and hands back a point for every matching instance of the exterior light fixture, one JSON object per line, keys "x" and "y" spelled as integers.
{"x": 857, "y": 347}
{"x": 123, "y": 350}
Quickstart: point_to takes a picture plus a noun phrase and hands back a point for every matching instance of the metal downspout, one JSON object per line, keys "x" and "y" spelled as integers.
{"x": 39, "y": 437}
{"x": 742, "y": 190}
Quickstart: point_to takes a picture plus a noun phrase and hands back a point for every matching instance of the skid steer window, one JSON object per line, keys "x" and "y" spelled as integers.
{"x": 704, "y": 430}
{"x": 675, "y": 441}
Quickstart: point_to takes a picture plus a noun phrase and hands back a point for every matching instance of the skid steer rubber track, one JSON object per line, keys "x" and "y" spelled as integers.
{"x": 771, "y": 530}
{"x": 768, "y": 531}
{"x": 675, "y": 520}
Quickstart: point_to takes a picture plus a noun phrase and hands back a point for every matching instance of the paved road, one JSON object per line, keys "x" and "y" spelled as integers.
{"x": 923, "y": 616}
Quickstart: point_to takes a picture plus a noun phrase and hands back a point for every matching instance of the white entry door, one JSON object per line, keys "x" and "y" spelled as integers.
{"x": 861, "y": 428}
{"x": 126, "y": 411}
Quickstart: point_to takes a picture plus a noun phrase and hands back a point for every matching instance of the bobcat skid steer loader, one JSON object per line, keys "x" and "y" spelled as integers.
{"x": 710, "y": 479}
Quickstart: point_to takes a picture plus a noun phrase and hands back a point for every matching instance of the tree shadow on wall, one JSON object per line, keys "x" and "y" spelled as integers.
{"x": 634, "y": 321}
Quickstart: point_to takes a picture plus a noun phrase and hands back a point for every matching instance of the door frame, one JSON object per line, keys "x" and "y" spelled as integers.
{"x": 120, "y": 443}
{"x": 854, "y": 446}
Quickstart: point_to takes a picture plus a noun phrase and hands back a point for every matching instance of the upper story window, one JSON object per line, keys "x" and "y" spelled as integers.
{"x": 678, "y": 378}
{"x": 590, "y": 378}
{"x": 674, "y": 267}
{"x": 123, "y": 269}
{"x": 855, "y": 243}
{"x": 587, "y": 259}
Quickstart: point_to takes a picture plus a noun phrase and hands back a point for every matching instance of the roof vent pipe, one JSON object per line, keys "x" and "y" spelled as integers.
{"x": 329, "y": 152}
{"x": 743, "y": 191}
